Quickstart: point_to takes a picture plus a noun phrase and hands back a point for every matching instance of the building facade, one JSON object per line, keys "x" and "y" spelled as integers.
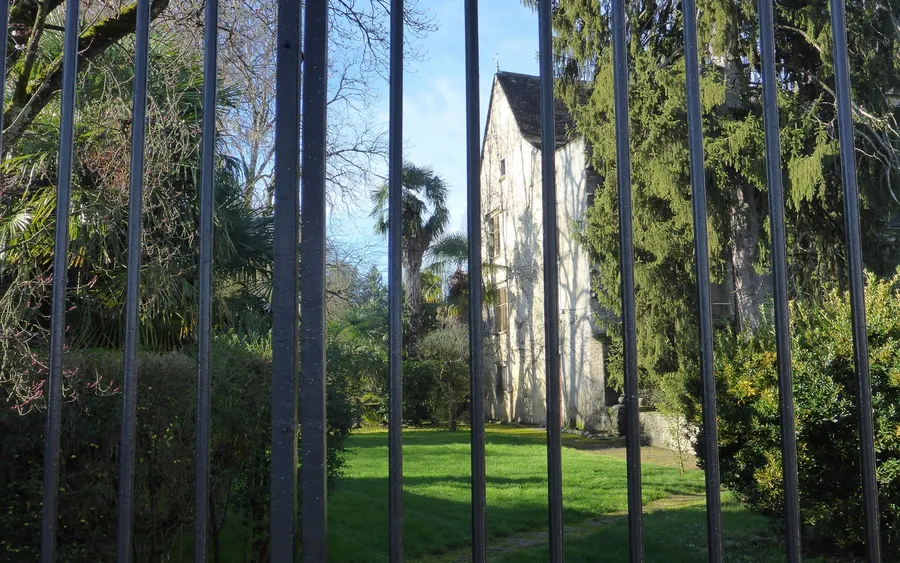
{"x": 513, "y": 245}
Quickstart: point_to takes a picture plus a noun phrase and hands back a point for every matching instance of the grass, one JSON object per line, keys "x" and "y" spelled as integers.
{"x": 437, "y": 502}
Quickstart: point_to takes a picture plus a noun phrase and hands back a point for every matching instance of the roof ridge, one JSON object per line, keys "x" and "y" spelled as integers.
{"x": 522, "y": 74}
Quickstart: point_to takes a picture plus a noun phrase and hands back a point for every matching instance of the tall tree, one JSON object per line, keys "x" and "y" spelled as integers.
{"x": 359, "y": 42}
{"x": 34, "y": 53}
{"x": 425, "y": 217}
{"x": 733, "y": 143}
{"x": 99, "y": 224}
{"x": 449, "y": 258}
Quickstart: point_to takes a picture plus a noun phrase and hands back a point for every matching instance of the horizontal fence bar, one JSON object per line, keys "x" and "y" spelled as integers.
{"x": 60, "y": 266}
{"x": 779, "y": 270}
{"x": 133, "y": 283}
{"x": 704, "y": 307}
{"x": 857, "y": 289}
{"x": 476, "y": 334}
{"x": 395, "y": 286}
{"x": 314, "y": 466}
{"x": 285, "y": 289}
{"x": 204, "y": 317}
{"x": 551, "y": 281}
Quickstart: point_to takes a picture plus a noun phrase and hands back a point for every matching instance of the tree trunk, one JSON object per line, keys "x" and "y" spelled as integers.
{"x": 93, "y": 41}
{"x": 748, "y": 283}
{"x": 745, "y": 213}
{"x": 413, "y": 275}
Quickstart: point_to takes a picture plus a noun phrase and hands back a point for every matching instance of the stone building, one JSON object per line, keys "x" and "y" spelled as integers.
{"x": 512, "y": 241}
{"x": 513, "y": 244}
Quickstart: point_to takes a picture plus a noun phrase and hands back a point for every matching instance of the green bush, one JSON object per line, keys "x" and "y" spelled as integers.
{"x": 445, "y": 355}
{"x": 419, "y": 384}
{"x": 826, "y": 418}
{"x": 164, "y": 470}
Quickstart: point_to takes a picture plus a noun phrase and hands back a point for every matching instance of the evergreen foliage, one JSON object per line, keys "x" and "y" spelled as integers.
{"x": 242, "y": 251}
{"x": 735, "y": 162}
{"x": 164, "y": 464}
{"x": 826, "y": 412}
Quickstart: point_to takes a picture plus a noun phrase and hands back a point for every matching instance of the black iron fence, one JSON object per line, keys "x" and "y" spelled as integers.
{"x": 299, "y": 270}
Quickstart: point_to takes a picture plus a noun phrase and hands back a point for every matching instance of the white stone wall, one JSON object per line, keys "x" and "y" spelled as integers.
{"x": 581, "y": 356}
{"x": 516, "y": 196}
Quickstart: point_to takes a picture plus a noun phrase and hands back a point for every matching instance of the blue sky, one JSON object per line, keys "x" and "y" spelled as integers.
{"x": 434, "y": 102}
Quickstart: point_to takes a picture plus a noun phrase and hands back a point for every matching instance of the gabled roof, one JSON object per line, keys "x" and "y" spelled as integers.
{"x": 523, "y": 92}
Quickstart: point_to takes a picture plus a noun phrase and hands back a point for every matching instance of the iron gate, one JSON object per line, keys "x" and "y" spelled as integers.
{"x": 307, "y": 280}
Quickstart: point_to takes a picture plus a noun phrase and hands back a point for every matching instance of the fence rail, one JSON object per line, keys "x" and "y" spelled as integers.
{"x": 299, "y": 285}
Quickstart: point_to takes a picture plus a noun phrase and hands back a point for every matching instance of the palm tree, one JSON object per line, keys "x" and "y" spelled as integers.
{"x": 425, "y": 217}
{"x": 450, "y": 253}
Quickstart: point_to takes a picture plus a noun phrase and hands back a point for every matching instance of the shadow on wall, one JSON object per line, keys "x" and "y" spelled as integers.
{"x": 529, "y": 392}
{"x": 584, "y": 354}
{"x": 570, "y": 317}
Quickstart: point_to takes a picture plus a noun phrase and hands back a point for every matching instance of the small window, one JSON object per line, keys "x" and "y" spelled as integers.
{"x": 502, "y": 167}
{"x": 501, "y": 312}
{"x": 501, "y": 379}
{"x": 494, "y": 243}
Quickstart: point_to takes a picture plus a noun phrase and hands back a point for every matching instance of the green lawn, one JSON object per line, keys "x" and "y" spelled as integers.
{"x": 437, "y": 511}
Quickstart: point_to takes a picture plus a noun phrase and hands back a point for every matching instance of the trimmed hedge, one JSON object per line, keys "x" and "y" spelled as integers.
{"x": 164, "y": 470}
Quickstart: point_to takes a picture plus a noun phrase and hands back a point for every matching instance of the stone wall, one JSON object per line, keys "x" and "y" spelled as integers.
{"x": 664, "y": 431}
{"x": 657, "y": 429}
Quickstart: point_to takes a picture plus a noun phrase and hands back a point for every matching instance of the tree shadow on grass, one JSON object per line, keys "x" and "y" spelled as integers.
{"x": 494, "y": 434}
{"x": 358, "y": 518}
{"x": 676, "y": 535}
{"x": 436, "y": 531}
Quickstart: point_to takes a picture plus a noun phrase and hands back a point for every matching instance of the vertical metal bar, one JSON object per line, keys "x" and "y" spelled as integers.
{"x": 857, "y": 295}
{"x": 133, "y": 282}
{"x": 779, "y": 269}
{"x": 204, "y": 317}
{"x": 314, "y": 466}
{"x": 551, "y": 279}
{"x": 626, "y": 265}
{"x": 395, "y": 285}
{"x": 285, "y": 320}
{"x": 60, "y": 265}
{"x": 476, "y": 336}
{"x": 704, "y": 307}
{"x": 4, "y": 33}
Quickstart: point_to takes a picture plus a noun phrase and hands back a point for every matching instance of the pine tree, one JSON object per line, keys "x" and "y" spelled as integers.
{"x": 734, "y": 147}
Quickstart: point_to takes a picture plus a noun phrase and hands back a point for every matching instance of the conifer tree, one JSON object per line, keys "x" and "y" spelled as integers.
{"x": 734, "y": 148}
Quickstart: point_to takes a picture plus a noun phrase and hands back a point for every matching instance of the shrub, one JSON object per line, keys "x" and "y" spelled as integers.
{"x": 164, "y": 471}
{"x": 419, "y": 392}
{"x": 445, "y": 355}
{"x": 826, "y": 418}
